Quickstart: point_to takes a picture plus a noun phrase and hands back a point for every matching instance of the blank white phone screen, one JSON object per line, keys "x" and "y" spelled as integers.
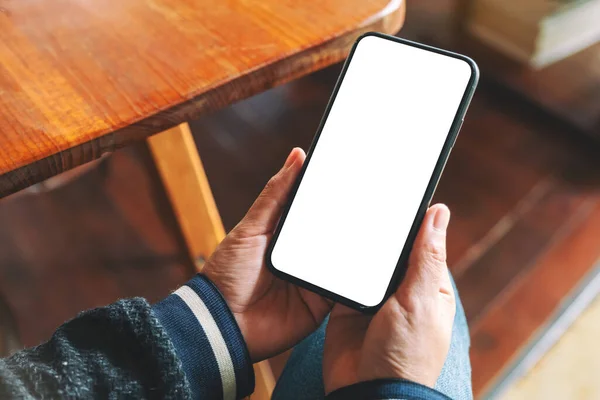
{"x": 369, "y": 170}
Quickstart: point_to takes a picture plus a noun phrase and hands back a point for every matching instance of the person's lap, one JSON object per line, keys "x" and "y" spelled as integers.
{"x": 302, "y": 377}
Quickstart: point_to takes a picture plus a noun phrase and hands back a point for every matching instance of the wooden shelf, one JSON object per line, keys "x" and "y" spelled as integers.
{"x": 568, "y": 91}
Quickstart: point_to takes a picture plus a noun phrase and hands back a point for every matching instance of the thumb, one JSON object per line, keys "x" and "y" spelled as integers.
{"x": 264, "y": 213}
{"x": 427, "y": 274}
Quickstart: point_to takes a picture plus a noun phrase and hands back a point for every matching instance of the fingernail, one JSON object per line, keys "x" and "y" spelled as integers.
{"x": 289, "y": 160}
{"x": 441, "y": 218}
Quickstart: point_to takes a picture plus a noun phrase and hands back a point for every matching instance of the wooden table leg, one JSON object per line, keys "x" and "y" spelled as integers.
{"x": 178, "y": 163}
{"x": 183, "y": 177}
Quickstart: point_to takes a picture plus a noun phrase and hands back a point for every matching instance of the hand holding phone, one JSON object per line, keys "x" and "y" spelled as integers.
{"x": 372, "y": 169}
{"x": 410, "y": 335}
{"x": 273, "y": 315}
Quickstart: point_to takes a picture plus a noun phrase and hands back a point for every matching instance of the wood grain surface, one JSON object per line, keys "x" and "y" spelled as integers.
{"x": 80, "y": 78}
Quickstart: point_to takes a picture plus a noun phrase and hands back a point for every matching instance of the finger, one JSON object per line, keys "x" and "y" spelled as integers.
{"x": 263, "y": 215}
{"x": 427, "y": 273}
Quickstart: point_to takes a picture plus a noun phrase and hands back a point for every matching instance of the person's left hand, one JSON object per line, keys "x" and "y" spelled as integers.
{"x": 409, "y": 336}
{"x": 272, "y": 314}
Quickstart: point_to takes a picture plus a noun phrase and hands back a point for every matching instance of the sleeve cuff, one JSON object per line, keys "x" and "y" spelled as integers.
{"x": 381, "y": 389}
{"x": 207, "y": 340}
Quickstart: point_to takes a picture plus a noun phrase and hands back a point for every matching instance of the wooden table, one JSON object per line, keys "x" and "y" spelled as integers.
{"x": 79, "y": 79}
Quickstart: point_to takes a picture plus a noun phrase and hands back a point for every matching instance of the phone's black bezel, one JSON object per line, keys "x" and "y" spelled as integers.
{"x": 449, "y": 143}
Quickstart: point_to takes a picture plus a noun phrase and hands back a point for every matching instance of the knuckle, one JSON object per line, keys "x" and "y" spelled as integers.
{"x": 409, "y": 300}
{"x": 433, "y": 252}
{"x": 236, "y": 235}
{"x": 268, "y": 191}
{"x": 271, "y": 184}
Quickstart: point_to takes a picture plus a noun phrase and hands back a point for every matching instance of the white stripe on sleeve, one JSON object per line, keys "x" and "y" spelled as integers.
{"x": 215, "y": 338}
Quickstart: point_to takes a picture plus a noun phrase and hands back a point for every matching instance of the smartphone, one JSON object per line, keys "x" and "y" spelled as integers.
{"x": 352, "y": 216}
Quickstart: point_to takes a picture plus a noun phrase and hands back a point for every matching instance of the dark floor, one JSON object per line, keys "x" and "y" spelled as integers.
{"x": 519, "y": 189}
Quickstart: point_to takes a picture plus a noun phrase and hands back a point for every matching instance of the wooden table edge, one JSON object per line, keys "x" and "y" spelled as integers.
{"x": 388, "y": 20}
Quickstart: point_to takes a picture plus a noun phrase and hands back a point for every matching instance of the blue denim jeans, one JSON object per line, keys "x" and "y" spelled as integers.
{"x": 302, "y": 377}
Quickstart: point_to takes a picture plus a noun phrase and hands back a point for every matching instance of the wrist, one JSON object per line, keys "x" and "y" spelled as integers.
{"x": 207, "y": 339}
{"x": 237, "y": 314}
{"x": 386, "y": 389}
{"x": 376, "y": 373}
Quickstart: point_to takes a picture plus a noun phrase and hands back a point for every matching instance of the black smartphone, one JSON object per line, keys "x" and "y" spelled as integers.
{"x": 352, "y": 216}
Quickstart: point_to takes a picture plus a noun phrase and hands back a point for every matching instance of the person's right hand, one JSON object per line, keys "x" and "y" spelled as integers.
{"x": 409, "y": 336}
{"x": 273, "y": 315}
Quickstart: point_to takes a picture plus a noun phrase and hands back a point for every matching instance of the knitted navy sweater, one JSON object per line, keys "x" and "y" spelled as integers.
{"x": 186, "y": 346}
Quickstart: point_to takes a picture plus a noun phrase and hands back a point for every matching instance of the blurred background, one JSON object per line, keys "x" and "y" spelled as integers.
{"x": 523, "y": 184}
